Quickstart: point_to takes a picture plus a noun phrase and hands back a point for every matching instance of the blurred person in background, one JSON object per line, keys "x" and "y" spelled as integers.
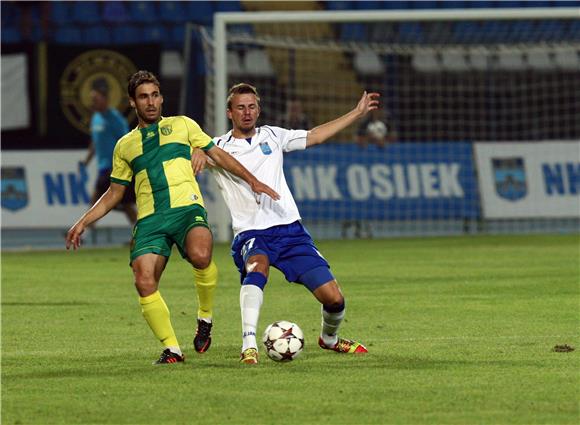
{"x": 294, "y": 117}
{"x": 170, "y": 209}
{"x": 107, "y": 126}
{"x": 376, "y": 130}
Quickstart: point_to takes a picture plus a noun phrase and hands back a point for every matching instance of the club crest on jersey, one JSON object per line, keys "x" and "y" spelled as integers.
{"x": 265, "y": 148}
{"x": 166, "y": 130}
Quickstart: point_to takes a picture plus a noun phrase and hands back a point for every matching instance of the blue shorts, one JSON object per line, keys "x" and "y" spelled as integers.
{"x": 289, "y": 248}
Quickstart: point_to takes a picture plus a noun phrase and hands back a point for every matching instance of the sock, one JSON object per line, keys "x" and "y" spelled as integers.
{"x": 251, "y": 298}
{"x": 205, "y": 283}
{"x": 331, "y": 319}
{"x": 156, "y": 314}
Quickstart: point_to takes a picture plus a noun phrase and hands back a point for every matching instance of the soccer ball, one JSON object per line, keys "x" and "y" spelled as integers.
{"x": 284, "y": 341}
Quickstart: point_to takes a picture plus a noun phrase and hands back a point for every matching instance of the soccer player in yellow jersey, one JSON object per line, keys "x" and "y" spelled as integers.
{"x": 170, "y": 208}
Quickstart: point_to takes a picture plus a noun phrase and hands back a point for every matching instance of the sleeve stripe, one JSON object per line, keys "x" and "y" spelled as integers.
{"x": 208, "y": 146}
{"x": 119, "y": 181}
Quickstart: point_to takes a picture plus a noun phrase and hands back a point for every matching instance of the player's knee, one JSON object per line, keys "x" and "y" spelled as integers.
{"x": 145, "y": 284}
{"x": 200, "y": 258}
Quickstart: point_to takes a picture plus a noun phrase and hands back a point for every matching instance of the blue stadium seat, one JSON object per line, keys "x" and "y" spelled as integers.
{"x": 466, "y": 32}
{"x": 456, "y": 4}
{"x": 126, "y": 34}
{"x": 200, "y": 12}
{"x": 496, "y": 31}
{"x": 339, "y": 5}
{"x": 11, "y": 34}
{"x": 480, "y": 4}
{"x": 523, "y": 31}
{"x": 177, "y": 36}
{"x": 97, "y": 34}
{"x": 573, "y": 32}
{"x": 60, "y": 12}
{"x": 68, "y": 35}
{"x": 550, "y": 30}
{"x": 411, "y": 32}
{"x": 156, "y": 34}
{"x": 143, "y": 11}
{"x": 227, "y": 6}
{"x": 115, "y": 12}
{"x": 425, "y": 5}
{"x": 395, "y": 5}
{"x": 86, "y": 12}
{"x": 174, "y": 11}
{"x": 508, "y": 4}
{"x": 353, "y": 32}
{"x": 373, "y": 5}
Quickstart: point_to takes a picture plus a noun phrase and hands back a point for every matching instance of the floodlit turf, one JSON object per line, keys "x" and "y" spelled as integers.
{"x": 460, "y": 331}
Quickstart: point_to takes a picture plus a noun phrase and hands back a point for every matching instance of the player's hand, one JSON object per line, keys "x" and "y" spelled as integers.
{"x": 259, "y": 187}
{"x": 368, "y": 102}
{"x": 73, "y": 236}
{"x": 198, "y": 161}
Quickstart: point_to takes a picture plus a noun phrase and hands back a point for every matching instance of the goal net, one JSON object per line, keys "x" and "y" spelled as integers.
{"x": 457, "y": 87}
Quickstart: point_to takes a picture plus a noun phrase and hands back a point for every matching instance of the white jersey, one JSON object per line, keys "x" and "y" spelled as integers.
{"x": 262, "y": 155}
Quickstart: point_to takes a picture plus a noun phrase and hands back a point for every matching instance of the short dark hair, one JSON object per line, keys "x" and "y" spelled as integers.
{"x": 242, "y": 88}
{"x": 138, "y": 78}
{"x": 101, "y": 86}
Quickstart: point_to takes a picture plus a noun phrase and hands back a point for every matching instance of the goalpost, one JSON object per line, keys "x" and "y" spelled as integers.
{"x": 454, "y": 84}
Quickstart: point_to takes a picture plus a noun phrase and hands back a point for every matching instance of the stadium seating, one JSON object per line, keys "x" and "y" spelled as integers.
{"x": 68, "y": 35}
{"x": 115, "y": 12}
{"x": 86, "y": 12}
{"x": 96, "y": 35}
{"x": 143, "y": 11}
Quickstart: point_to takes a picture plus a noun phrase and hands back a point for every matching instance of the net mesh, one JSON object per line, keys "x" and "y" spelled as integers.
{"x": 443, "y": 84}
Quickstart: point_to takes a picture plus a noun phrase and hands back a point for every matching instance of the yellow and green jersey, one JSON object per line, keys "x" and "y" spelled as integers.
{"x": 159, "y": 157}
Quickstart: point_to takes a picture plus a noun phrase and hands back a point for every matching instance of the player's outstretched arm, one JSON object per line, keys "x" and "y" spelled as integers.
{"x": 323, "y": 132}
{"x": 106, "y": 203}
{"x": 229, "y": 163}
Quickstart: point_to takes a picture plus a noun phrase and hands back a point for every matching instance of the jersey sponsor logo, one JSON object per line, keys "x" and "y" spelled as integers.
{"x": 510, "y": 178}
{"x": 266, "y": 150}
{"x": 80, "y": 74}
{"x": 199, "y": 218}
{"x": 166, "y": 130}
{"x": 149, "y": 135}
{"x": 14, "y": 188}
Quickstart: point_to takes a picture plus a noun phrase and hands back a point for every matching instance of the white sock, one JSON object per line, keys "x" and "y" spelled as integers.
{"x": 330, "y": 324}
{"x": 175, "y": 350}
{"x": 205, "y": 319}
{"x": 251, "y": 298}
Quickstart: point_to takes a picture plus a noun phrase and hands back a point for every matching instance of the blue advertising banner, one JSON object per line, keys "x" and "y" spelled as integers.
{"x": 407, "y": 181}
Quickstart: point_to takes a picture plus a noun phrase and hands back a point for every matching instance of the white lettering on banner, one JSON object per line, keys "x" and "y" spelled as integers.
{"x": 562, "y": 178}
{"x": 429, "y": 180}
{"x": 304, "y": 184}
{"x": 326, "y": 178}
{"x": 383, "y": 188}
{"x": 359, "y": 186}
{"x": 449, "y": 180}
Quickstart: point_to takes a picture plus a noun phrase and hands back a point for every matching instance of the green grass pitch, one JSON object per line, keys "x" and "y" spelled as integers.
{"x": 460, "y": 330}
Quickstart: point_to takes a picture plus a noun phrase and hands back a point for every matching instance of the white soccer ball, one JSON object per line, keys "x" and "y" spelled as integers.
{"x": 377, "y": 129}
{"x": 284, "y": 341}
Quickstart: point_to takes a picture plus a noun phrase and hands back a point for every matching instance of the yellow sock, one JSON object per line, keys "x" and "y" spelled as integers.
{"x": 156, "y": 314}
{"x": 205, "y": 283}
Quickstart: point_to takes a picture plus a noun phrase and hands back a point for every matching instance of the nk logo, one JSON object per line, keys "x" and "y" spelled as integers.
{"x": 67, "y": 188}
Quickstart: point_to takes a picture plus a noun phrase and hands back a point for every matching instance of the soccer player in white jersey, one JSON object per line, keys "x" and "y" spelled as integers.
{"x": 267, "y": 232}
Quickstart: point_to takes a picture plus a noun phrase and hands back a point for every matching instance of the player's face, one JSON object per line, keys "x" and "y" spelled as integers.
{"x": 147, "y": 103}
{"x": 244, "y": 112}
